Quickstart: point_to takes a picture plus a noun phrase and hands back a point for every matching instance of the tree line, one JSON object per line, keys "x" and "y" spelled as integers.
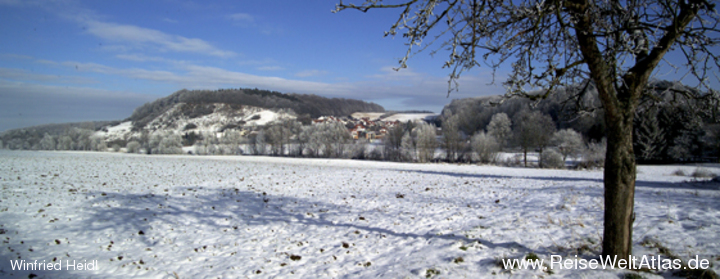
{"x": 474, "y": 130}
{"x": 672, "y": 124}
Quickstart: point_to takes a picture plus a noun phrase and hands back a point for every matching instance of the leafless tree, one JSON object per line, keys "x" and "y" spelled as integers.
{"x": 550, "y": 43}
{"x": 65, "y": 142}
{"x": 170, "y": 144}
{"x": 452, "y": 139}
{"x": 47, "y": 142}
{"x": 407, "y": 147}
{"x": 393, "y": 142}
{"x": 533, "y": 129}
{"x": 260, "y": 145}
{"x": 426, "y": 142}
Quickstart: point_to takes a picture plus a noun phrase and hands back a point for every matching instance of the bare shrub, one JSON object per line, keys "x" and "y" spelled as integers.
{"x": 133, "y": 147}
{"x": 678, "y": 172}
{"x": 485, "y": 146}
{"x": 594, "y": 155}
{"x": 514, "y": 161}
{"x": 552, "y": 159}
{"x": 702, "y": 173}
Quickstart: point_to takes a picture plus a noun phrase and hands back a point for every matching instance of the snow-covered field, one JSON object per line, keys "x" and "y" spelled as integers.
{"x": 246, "y": 217}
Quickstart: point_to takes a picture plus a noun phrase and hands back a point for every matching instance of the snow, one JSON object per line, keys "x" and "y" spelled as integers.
{"x": 402, "y": 117}
{"x": 373, "y": 116}
{"x": 405, "y": 117}
{"x": 115, "y": 132}
{"x": 266, "y": 116}
{"x": 232, "y": 217}
{"x": 120, "y": 128}
{"x": 173, "y": 121}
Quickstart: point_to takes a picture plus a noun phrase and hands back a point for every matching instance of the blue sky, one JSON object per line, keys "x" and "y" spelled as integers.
{"x": 73, "y": 60}
{"x": 66, "y": 61}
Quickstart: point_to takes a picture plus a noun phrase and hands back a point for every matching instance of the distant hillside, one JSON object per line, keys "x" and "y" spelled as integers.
{"x": 301, "y": 104}
{"x": 30, "y": 137}
{"x": 475, "y": 113}
{"x": 668, "y": 125}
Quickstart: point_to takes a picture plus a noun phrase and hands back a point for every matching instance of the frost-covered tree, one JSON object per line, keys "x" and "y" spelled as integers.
{"x": 170, "y": 144}
{"x": 47, "y": 142}
{"x": 357, "y": 149}
{"x": 500, "y": 128}
{"x": 231, "y": 141}
{"x": 280, "y": 133}
{"x": 307, "y": 142}
{"x": 212, "y": 149}
{"x": 426, "y": 142}
{"x": 485, "y": 147}
{"x": 594, "y": 154}
{"x": 133, "y": 147}
{"x": 568, "y": 142}
{"x": 407, "y": 147}
{"x": 153, "y": 143}
{"x": 615, "y": 44}
{"x": 199, "y": 148}
{"x": 552, "y": 159}
{"x": 65, "y": 143}
{"x": 452, "y": 139}
{"x": 260, "y": 143}
{"x": 97, "y": 143}
{"x": 392, "y": 143}
{"x": 332, "y": 137}
{"x": 81, "y": 139}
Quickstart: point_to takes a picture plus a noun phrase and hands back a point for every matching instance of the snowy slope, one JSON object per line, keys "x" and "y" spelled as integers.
{"x": 247, "y": 217}
{"x": 402, "y": 117}
{"x": 405, "y": 117}
{"x": 371, "y": 115}
{"x": 175, "y": 120}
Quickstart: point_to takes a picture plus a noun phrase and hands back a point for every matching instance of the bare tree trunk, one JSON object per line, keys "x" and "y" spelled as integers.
{"x": 619, "y": 182}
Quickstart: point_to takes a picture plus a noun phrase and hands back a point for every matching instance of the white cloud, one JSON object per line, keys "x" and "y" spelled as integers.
{"x": 270, "y": 68}
{"x": 254, "y": 62}
{"x": 405, "y": 89}
{"x": 169, "y": 20}
{"x": 310, "y": 73}
{"x": 140, "y": 36}
{"x": 140, "y": 58}
{"x": 243, "y": 17}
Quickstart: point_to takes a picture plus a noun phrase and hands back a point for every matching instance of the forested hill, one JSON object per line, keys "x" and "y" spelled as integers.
{"x": 671, "y": 118}
{"x": 312, "y": 105}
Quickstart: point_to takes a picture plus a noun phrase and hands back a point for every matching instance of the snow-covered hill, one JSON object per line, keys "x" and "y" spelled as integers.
{"x": 199, "y": 118}
{"x": 402, "y": 117}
